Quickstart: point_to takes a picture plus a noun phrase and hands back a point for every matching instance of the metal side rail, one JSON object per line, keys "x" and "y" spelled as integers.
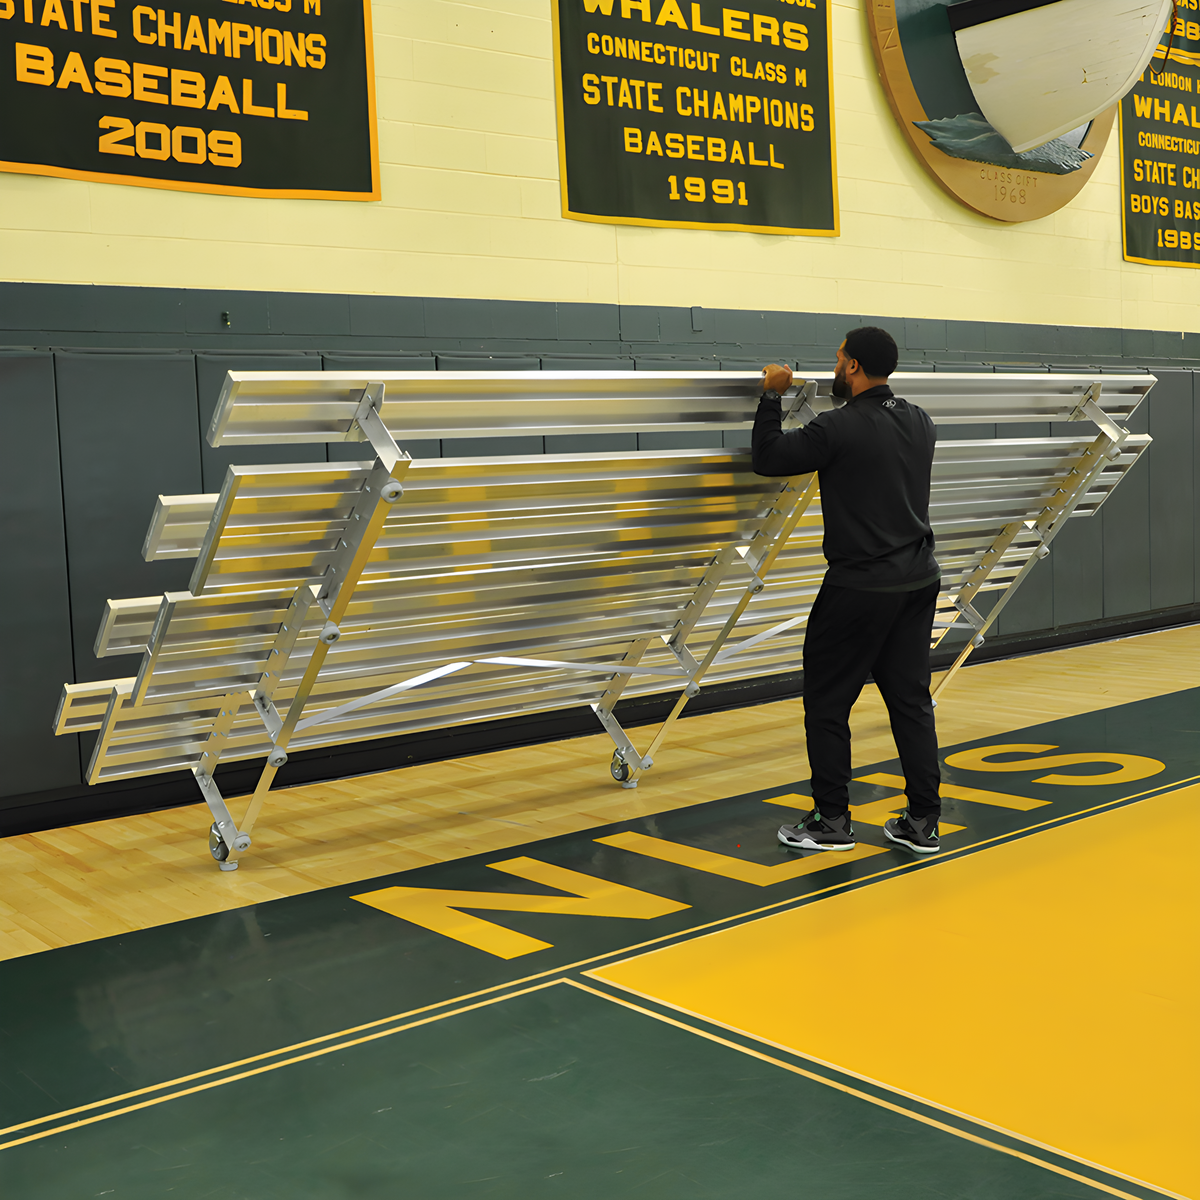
{"x": 1108, "y": 445}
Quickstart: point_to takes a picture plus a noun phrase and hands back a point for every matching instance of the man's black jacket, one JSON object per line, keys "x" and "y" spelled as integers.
{"x": 873, "y": 457}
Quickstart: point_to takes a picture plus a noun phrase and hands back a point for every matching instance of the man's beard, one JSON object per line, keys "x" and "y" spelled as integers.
{"x": 841, "y": 389}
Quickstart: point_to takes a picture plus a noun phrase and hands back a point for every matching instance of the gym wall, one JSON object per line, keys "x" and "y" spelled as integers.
{"x": 124, "y": 306}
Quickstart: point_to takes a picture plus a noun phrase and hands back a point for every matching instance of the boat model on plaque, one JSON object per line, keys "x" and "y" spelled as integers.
{"x": 1041, "y": 70}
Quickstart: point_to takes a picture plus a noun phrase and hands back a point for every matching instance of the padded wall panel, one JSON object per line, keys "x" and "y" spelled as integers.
{"x": 35, "y": 603}
{"x": 127, "y": 426}
{"x": 585, "y": 362}
{"x": 1077, "y": 563}
{"x": 1126, "y": 517}
{"x": 1172, "y": 491}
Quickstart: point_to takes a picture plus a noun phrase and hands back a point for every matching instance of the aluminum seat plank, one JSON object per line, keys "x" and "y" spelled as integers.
{"x": 302, "y": 406}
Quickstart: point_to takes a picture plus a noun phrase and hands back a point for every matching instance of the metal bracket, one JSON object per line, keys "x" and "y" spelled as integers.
{"x": 266, "y": 709}
{"x": 234, "y": 840}
{"x": 756, "y": 584}
{"x": 281, "y": 650}
{"x": 978, "y": 622}
{"x": 228, "y": 834}
{"x": 1089, "y": 410}
{"x": 373, "y": 430}
{"x": 968, "y": 610}
{"x": 802, "y": 410}
{"x": 688, "y": 662}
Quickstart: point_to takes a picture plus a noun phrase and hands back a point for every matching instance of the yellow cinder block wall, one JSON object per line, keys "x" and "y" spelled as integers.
{"x": 471, "y": 209}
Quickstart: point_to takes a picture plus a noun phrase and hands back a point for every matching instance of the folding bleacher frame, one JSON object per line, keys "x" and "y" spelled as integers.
{"x": 203, "y": 716}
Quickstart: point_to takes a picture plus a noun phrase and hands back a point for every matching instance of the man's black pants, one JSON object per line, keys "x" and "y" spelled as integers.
{"x": 853, "y": 634}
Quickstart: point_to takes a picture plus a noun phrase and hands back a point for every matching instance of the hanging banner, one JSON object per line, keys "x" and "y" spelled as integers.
{"x": 696, "y": 116}
{"x": 1160, "y": 157}
{"x": 224, "y": 97}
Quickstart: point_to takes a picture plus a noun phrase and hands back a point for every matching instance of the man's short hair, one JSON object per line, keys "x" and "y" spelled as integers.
{"x": 875, "y": 350}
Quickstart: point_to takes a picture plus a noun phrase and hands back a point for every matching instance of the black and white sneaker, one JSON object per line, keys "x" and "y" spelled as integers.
{"x": 816, "y": 832}
{"x": 918, "y": 834}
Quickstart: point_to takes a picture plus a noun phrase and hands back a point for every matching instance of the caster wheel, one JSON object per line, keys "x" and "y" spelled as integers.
{"x": 619, "y": 768}
{"x": 216, "y": 847}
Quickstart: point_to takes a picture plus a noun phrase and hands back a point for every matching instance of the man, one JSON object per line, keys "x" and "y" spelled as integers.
{"x": 874, "y": 612}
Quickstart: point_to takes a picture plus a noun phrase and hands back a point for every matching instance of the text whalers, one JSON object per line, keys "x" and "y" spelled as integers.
{"x": 690, "y": 113}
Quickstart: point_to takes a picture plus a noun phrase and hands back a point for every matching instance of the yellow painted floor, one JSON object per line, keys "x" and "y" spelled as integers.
{"x": 1047, "y": 986}
{"x": 72, "y": 885}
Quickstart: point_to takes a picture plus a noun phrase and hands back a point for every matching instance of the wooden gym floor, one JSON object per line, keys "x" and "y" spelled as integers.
{"x": 648, "y": 997}
{"x": 108, "y": 877}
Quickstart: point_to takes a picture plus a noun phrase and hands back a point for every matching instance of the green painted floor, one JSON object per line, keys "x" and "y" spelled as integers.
{"x": 555, "y": 1090}
{"x": 554, "y": 1093}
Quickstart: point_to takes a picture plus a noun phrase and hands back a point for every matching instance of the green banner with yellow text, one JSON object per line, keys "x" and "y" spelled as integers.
{"x": 698, "y": 116}
{"x": 1160, "y": 157}
{"x": 246, "y": 97}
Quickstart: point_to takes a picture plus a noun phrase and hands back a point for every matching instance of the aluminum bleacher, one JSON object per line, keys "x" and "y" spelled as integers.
{"x": 343, "y": 601}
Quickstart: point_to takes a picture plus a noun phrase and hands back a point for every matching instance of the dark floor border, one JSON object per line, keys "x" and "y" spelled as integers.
{"x": 33, "y": 813}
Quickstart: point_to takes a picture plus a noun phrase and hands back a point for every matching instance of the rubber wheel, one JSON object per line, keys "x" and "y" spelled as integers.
{"x": 216, "y": 847}
{"x": 620, "y": 770}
